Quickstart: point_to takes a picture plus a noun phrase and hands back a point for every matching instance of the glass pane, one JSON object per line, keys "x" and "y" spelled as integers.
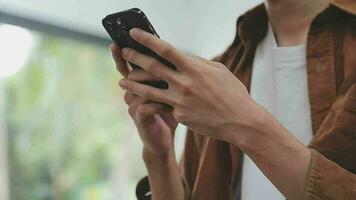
{"x": 69, "y": 135}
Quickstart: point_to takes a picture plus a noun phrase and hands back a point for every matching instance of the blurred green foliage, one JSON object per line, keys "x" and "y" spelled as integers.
{"x": 69, "y": 134}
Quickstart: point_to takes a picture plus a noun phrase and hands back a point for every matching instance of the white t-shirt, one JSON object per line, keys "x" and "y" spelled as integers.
{"x": 279, "y": 84}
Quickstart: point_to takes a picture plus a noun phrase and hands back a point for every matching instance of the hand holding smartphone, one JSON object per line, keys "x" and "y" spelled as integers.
{"x": 118, "y": 26}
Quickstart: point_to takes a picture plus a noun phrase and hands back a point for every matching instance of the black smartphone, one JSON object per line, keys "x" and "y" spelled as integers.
{"x": 118, "y": 26}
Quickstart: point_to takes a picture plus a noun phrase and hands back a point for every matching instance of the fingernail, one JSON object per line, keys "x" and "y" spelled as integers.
{"x": 134, "y": 32}
{"x": 122, "y": 84}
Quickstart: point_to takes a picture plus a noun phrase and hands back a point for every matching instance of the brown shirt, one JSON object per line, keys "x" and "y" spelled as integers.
{"x": 211, "y": 169}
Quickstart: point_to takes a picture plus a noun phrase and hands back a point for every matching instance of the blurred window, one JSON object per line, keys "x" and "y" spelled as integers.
{"x": 67, "y": 129}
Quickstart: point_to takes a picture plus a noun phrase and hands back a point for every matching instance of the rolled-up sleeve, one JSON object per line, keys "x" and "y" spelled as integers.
{"x": 333, "y": 164}
{"x": 327, "y": 180}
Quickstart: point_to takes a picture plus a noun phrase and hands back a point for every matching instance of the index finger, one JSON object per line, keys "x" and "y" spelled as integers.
{"x": 162, "y": 48}
{"x": 121, "y": 64}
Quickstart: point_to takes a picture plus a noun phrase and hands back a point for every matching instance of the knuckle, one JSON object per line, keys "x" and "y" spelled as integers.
{"x": 146, "y": 94}
{"x": 129, "y": 86}
{"x": 167, "y": 51}
{"x": 153, "y": 64}
{"x": 131, "y": 55}
{"x": 186, "y": 91}
{"x": 186, "y": 88}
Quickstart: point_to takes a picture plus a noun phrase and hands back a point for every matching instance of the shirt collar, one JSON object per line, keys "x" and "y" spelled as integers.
{"x": 252, "y": 27}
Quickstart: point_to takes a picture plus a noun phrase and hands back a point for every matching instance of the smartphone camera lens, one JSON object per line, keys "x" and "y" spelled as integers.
{"x": 120, "y": 24}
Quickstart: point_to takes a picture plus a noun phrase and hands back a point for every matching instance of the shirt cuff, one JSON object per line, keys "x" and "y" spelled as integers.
{"x": 328, "y": 180}
{"x": 143, "y": 191}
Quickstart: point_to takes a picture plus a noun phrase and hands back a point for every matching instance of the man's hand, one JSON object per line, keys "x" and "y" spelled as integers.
{"x": 204, "y": 94}
{"x": 209, "y": 99}
{"x": 154, "y": 122}
{"x": 156, "y": 127}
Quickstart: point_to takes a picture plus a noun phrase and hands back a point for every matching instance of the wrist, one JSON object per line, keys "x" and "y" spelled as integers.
{"x": 262, "y": 130}
{"x": 252, "y": 126}
{"x": 151, "y": 158}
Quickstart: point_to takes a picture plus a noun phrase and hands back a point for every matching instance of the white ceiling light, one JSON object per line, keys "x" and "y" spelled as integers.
{"x": 15, "y": 47}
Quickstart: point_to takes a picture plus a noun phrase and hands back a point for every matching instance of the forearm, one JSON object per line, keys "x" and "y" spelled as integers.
{"x": 164, "y": 176}
{"x": 279, "y": 155}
